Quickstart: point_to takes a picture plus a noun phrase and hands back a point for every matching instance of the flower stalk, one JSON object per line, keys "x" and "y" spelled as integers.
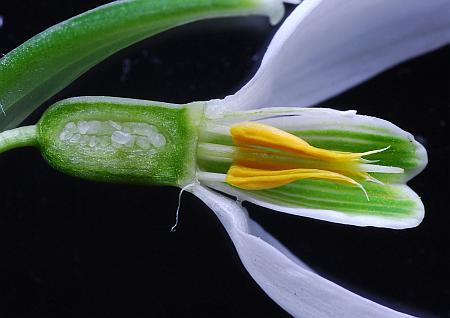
{"x": 17, "y": 138}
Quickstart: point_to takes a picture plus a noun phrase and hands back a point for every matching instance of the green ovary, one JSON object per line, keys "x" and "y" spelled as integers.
{"x": 121, "y": 140}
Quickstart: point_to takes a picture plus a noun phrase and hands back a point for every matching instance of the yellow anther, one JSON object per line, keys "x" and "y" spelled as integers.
{"x": 266, "y": 159}
{"x": 259, "y": 179}
{"x": 257, "y": 134}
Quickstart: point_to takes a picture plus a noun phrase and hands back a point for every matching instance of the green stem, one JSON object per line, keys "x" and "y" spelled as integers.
{"x": 17, "y": 138}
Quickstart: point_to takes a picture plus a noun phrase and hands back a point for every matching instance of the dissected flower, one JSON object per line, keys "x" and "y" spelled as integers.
{"x": 323, "y": 48}
{"x": 320, "y": 163}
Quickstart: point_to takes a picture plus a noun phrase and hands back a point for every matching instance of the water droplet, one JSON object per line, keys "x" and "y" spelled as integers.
{"x": 94, "y": 127}
{"x": 65, "y": 135}
{"x": 143, "y": 142}
{"x": 103, "y": 141}
{"x": 158, "y": 140}
{"x": 92, "y": 141}
{"x": 114, "y": 125}
{"x": 83, "y": 127}
{"x": 121, "y": 138}
{"x": 75, "y": 138}
{"x": 71, "y": 127}
{"x": 84, "y": 140}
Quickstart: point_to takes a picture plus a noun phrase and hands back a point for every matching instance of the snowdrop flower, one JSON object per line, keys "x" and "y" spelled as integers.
{"x": 323, "y": 48}
{"x": 320, "y": 163}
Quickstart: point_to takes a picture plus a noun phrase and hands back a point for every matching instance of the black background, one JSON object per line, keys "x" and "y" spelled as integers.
{"x": 73, "y": 248}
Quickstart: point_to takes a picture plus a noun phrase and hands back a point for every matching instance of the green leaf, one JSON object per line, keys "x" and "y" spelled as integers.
{"x": 51, "y": 60}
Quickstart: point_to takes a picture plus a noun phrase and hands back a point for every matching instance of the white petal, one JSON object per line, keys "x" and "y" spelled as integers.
{"x": 267, "y": 112}
{"x": 257, "y": 230}
{"x": 293, "y": 286}
{"x": 325, "y": 47}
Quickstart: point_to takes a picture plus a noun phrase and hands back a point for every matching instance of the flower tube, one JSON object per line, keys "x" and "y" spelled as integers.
{"x": 367, "y": 189}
